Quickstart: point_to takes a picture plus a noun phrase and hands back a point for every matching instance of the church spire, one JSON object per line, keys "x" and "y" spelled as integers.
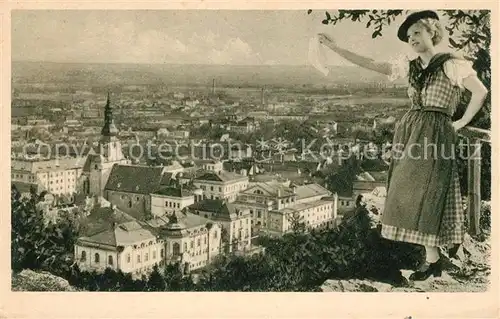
{"x": 109, "y": 128}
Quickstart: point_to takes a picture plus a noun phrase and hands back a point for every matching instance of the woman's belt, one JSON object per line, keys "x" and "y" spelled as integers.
{"x": 443, "y": 110}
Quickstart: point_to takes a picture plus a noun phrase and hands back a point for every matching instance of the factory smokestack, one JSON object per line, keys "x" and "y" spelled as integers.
{"x": 262, "y": 97}
{"x": 213, "y": 87}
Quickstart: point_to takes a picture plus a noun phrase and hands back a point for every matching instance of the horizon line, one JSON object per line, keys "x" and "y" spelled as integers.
{"x": 173, "y": 63}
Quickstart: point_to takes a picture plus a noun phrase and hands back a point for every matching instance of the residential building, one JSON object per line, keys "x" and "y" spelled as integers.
{"x": 315, "y": 206}
{"x": 221, "y": 185}
{"x": 59, "y": 176}
{"x": 274, "y": 206}
{"x": 211, "y": 165}
{"x": 263, "y": 197}
{"x": 191, "y": 240}
{"x": 345, "y": 204}
{"x": 235, "y": 222}
{"x": 170, "y": 199}
{"x": 113, "y": 239}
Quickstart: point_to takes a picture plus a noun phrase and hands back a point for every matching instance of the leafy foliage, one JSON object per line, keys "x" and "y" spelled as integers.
{"x": 297, "y": 223}
{"x": 36, "y": 243}
{"x": 485, "y": 220}
{"x": 302, "y": 261}
{"x": 298, "y": 261}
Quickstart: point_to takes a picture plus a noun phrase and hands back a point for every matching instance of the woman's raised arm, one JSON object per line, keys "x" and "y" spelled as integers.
{"x": 367, "y": 63}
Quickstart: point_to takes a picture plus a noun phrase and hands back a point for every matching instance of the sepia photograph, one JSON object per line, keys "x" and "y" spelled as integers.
{"x": 305, "y": 150}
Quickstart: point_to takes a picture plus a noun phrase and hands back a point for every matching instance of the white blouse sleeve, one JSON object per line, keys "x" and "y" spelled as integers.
{"x": 457, "y": 70}
{"x": 400, "y": 66}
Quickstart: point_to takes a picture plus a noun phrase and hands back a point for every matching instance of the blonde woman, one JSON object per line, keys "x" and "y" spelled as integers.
{"x": 423, "y": 204}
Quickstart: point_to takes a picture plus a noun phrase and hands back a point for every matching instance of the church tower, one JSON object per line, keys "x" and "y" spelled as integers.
{"x": 109, "y": 144}
{"x": 99, "y": 164}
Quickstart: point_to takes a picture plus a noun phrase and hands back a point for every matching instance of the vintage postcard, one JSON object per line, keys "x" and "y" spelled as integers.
{"x": 263, "y": 160}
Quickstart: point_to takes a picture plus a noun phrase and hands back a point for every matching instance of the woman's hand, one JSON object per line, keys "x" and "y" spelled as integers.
{"x": 457, "y": 125}
{"x": 326, "y": 40}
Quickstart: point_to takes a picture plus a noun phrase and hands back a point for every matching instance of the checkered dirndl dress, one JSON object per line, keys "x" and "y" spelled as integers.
{"x": 424, "y": 204}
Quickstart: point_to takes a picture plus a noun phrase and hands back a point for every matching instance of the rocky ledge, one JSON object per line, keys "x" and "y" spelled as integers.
{"x": 29, "y": 280}
{"x": 468, "y": 272}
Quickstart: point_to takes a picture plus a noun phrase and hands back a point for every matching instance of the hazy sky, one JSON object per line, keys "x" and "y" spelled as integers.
{"x": 195, "y": 36}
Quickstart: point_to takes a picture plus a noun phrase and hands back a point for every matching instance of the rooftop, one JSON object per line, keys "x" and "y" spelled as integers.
{"x": 310, "y": 190}
{"x": 189, "y": 220}
{"x": 110, "y": 226}
{"x": 219, "y": 208}
{"x": 136, "y": 179}
{"x": 302, "y": 206}
{"x": 174, "y": 192}
{"x": 270, "y": 188}
{"x": 222, "y": 176}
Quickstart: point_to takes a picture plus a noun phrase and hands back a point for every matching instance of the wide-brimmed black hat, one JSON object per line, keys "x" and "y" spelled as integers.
{"x": 411, "y": 19}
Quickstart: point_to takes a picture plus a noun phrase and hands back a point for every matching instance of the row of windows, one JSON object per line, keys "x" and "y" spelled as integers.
{"x": 288, "y": 200}
{"x": 172, "y": 204}
{"x": 146, "y": 257}
{"x": 137, "y": 198}
{"x": 97, "y": 257}
{"x": 241, "y": 223}
{"x": 57, "y": 181}
{"x": 62, "y": 174}
{"x": 259, "y": 213}
{"x": 199, "y": 252}
{"x": 265, "y": 199}
{"x": 30, "y": 177}
{"x": 201, "y": 197}
{"x": 176, "y": 247}
{"x": 228, "y": 189}
{"x": 243, "y": 234}
{"x": 259, "y": 224}
{"x": 195, "y": 232}
{"x": 317, "y": 209}
{"x": 144, "y": 245}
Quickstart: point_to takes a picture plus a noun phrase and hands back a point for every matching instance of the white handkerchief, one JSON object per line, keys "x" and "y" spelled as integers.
{"x": 316, "y": 56}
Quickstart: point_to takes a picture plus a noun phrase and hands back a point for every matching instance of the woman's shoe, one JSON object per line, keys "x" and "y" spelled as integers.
{"x": 427, "y": 270}
{"x": 452, "y": 252}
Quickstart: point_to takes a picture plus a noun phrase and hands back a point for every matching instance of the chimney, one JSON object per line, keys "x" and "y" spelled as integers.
{"x": 262, "y": 97}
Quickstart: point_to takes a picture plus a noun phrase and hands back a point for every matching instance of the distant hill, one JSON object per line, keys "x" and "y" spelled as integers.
{"x": 183, "y": 74}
